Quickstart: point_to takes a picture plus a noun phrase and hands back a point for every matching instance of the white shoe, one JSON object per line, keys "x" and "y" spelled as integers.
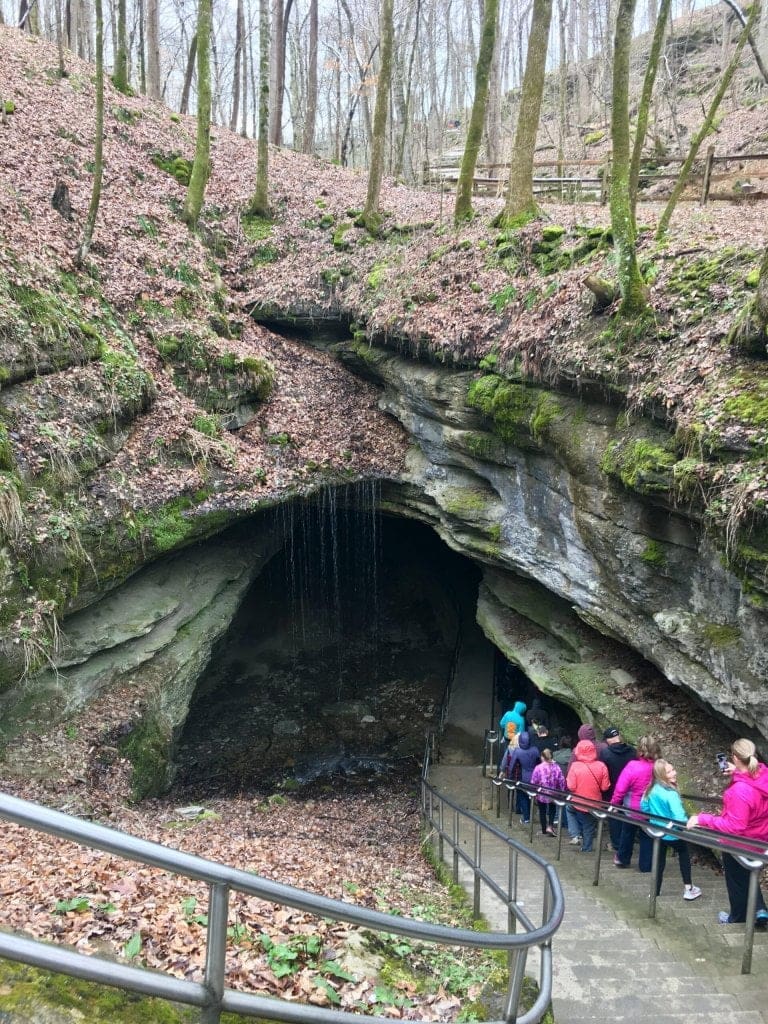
{"x": 692, "y": 894}
{"x": 576, "y": 841}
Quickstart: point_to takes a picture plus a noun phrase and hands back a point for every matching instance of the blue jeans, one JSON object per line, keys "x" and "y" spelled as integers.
{"x": 588, "y": 825}
{"x": 572, "y": 822}
{"x": 523, "y": 805}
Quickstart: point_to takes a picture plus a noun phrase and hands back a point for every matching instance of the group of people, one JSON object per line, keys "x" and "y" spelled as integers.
{"x": 640, "y": 779}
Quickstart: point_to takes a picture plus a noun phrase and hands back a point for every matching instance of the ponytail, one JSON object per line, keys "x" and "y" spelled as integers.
{"x": 746, "y": 752}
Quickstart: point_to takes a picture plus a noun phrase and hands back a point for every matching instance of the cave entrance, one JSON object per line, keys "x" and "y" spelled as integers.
{"x": 511, "y": 684}
{"x": 340, "y": 653}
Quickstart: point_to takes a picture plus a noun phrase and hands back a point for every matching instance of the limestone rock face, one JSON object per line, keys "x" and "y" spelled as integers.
{"x": 154, "y": 633}
{"x": 581, "y": 548}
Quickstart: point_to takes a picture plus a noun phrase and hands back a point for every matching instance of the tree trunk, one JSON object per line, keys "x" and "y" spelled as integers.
{"x": 154, "y": 88}
{"x": 634, "y": 294}
{"x": 190, "y": 70}
{"x": 308, "y": 142}
{"x": 644, "y": 107}
{"x": 259, "y": 204}
{"x": 201, "y": 164}
{"x": 141, "y": 19}
{"x": 706, "y": 127}
{"x": 371, "y": 216}
{"x": 239, "y": 44}
{"x": 98, "y": 146}
{"x": 520, "y": 204}
{"x": 463, "y": 207}
{"x": 120, "y": 72}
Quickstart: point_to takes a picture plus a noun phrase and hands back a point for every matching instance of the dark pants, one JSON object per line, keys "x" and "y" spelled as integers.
{"x": 737, "y": 884}
{"x": 644, "y": 847}
{"x": 523, "y": 805}
{"x": 614, "y": 831}
{"x": 547, "y": 815}
{"x": 683, "y": 857}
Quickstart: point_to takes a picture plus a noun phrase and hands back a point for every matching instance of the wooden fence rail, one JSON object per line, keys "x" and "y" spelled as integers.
{"x": 491, "y": 178}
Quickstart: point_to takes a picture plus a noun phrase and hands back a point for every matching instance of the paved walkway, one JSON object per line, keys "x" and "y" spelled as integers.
{"x": 611, "y": 961}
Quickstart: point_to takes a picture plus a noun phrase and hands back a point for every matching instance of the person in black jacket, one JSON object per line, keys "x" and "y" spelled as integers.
{"x": 615, "y": 754}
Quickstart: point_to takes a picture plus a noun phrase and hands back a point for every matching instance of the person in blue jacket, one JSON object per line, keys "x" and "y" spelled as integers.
{"x": 516, "y": 716}
{"x": 662, "y": 800}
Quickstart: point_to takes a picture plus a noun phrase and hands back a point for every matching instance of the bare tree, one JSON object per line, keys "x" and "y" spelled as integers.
{"x": 520, "y": 204}
{"x": 463, "y": 207}
{"x": 120, "y": 71}
{"x": 98, "y": 145}
{"x": 371, "y": 216}
{"x": 308, "y": 141}
{"x": 259, "y": 204}
{"x": 201, "y": 164}
{"x": 154, "y": 89}
{"x": 239, "y": 48}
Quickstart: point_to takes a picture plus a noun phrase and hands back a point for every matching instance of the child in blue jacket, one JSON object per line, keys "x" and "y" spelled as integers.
{"x": 662, "y": 800}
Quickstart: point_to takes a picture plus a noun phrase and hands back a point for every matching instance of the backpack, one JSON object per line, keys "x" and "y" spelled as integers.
{"x": 510, "y": 729}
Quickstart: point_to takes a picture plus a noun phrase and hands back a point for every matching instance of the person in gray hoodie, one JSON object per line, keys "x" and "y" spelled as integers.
{"x": 527, "y": 757}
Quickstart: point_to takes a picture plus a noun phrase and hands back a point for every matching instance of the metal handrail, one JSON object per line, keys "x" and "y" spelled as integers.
{"x": 752, "y": 854}
{"x": 211, "y": 995}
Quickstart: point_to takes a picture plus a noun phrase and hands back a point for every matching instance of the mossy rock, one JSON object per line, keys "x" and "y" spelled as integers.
{"x": 640, "y": 464}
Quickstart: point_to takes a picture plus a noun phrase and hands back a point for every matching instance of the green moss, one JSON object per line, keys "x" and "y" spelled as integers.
{"x": 6, "y": 451}
{"x": 133, "y": 386}
{"x": 23, "y": 990}
{"x": 208, "y": 425}
{"x": 340, "y": 241}
{"x": 592, "y": 138}
{"x": 503, "y": 298}
{"x": 519, "y": 413}
{"x": 719, "y": 634}
{"x": 377, "y": 276}
{"x": 174, "y": 164}
{"x": 640, "y": 464}
{"x": 547, "y": 410}
{"x": 148, "y": 748}
{"x": 748, "y": 399}
{"x": 654, "y": 553}
{"x": 465, "y": 501}
{"x": 9, "y": 107}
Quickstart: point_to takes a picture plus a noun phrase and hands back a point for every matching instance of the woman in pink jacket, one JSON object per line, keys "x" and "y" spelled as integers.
{"x": 745, "y": 813}
{"x": 631, "y": 784}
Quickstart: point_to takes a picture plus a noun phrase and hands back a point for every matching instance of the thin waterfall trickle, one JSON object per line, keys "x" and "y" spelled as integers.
{"x": 331, "y": 550}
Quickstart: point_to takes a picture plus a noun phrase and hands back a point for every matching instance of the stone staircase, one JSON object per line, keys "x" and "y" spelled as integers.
{"x": 611, "y": 961}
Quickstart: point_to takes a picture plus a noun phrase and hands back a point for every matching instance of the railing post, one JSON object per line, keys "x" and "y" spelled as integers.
{"x": 517, "y": 959}
{"x": 511, "y": 888}
{"x": 749, "y": 934}
{"x": 476, "y": 874}
{"x": 599, "y": 852}
{"x": 216, "y": 951}
{"x": 710, "y": 159}
{"x": 440, "y": 830}
{"x": 455, "y": 847}
{"x": 654, "y": 876}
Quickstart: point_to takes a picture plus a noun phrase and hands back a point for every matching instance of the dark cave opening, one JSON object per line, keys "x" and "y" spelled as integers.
{"x": 340, "y": 653}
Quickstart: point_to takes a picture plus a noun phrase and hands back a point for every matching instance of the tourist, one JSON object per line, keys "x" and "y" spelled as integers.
{"x": 511, "y": 724}
{"x": 628, "y": 792}
{"x": 543, "y": 740}
{"x": 536, "y": 715}
{"x": 662, "y": 800}
{"x": 745, "y": 813}
{"x": 526, "y": 756}
{"x": 587, "y": 778}
{"x": 547, "y": 773}
{"x": 615, "y": 755}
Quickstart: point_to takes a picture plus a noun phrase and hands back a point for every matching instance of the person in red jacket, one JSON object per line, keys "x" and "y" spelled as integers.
{"x": 745, "y": 813}
{"x": 588, "y": 778}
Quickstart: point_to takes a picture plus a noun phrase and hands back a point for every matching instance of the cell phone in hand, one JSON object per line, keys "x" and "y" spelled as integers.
{"x": 722, "y": 762}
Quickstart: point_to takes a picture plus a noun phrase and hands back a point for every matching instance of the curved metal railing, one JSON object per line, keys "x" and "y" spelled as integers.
{"x": 211, "y": 995}
{"x": 752, "y": 854}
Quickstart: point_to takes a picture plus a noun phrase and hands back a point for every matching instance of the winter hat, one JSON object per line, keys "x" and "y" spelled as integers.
{"x": 611, "y": 734}
{"x": 587, "y": 732}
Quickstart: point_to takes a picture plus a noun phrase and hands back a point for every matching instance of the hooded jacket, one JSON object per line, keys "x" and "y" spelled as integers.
{"x": 665, "y": 804}
{"x": 616, "y": 756}
{"x": 587, "y": 776}
{"x": 632, "y": 783}
{"x": 526, "y": 755}
{"x": 516, "y": 715}
{"x": 536, "y": 715}
{"x": 745, "y": 806}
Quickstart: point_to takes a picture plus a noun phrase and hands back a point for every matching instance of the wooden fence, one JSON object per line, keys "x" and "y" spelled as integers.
{"x": 584, "y": 180}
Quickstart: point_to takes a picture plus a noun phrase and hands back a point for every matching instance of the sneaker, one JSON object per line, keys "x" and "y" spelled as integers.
{"x": 525, "y": 821}
{"x": 693, "y": 893}
{"x": 761, "y": 919}
{"x": 724, "y": 917}
{"x": 549, "y": 832}
{"x": 576, "y": 841}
